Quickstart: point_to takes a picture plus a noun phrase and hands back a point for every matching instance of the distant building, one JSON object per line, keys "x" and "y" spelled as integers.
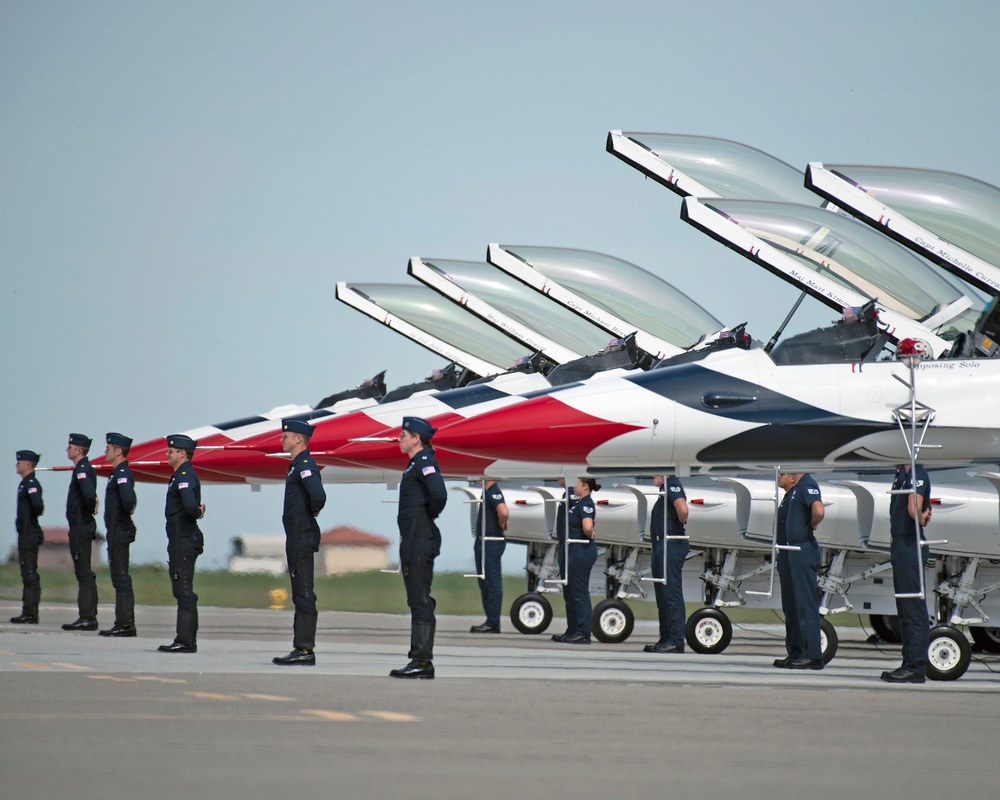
{"x": 54, "y": 552}
{"x": 341, "y": 550}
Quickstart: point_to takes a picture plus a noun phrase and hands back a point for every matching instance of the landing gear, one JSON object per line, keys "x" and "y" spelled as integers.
{"x": 948, "y": 655}
{"x": 708, "y": 631}
{"x": 531, "y": 613}
{"x": 612, "y": 621}
{"x": 828, "y": 639}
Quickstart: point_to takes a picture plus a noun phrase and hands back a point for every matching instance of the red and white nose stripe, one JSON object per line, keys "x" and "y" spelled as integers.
{"x": 540, "y": 429}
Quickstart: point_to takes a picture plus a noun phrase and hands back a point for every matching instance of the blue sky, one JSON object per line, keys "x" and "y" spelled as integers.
{"x": 182, "y": 184}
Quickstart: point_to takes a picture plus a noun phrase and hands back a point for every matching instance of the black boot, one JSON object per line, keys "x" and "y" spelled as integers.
{"x": 30, "y": 597}
{"x": 303, "y": 642}
{"x": 124, "y": 616}
{"x": 87, "y": 601}
{"x": 421, "y": 652}
{"x": 187, "y": 631}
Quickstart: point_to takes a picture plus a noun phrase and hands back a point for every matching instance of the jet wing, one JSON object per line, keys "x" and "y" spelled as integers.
{"x": 953, "y": 220}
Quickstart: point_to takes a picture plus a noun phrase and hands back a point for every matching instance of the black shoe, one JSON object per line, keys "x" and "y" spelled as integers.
{"x": 178, "y": 647}
{"x": 484, "y": 628}
{"x": 902, "y": 675}
{"x": 119, "y": 630}
{"x": 559, "y": 637}
{"x": 782, "y": 663}
{"x": 664, "y": 648}
{"x": 306, "y": 658}
{"x": 81, "y": 625}
{"x": 578, "y": 638}
{"x": 415, "y": 669}
{"x": 25, "y": 619}
{"x": 804, "y": 663}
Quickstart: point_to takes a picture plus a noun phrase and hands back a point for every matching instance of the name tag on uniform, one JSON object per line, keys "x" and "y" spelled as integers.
{"x": 306, "y": 473}
{"x": 182, "y": 486}
{"x": 429, "y": 470}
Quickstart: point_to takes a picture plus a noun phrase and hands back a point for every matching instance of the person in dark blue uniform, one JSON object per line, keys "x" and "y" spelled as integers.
{"x": 81, "y": 506}
{"x": 494, "y": 510}
{"x": 184, "y": 540}
{"x": 422, "y": 497}
{"x": 580, "y": 519}
{"x": 304, "y": 499}
{"x": 801, "y": 510}
{"x": 29, "y": 536}
{"x": 669, "y": 596}
{"x": 914, "y": 622}
{"x": 119, "y": 506}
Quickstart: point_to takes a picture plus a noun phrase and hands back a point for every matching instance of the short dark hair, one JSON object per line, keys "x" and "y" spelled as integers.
{"x": 592, "y": 484}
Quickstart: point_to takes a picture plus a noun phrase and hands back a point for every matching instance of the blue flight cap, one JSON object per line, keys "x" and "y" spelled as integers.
{"x": 297, "y": 426}
{"x": 28, "y": 455}
{"x": 179, "y": 441}
{"x": 119, "y": 440}
{"x": 419, "y": 426}
{"x": 80, "y": 440}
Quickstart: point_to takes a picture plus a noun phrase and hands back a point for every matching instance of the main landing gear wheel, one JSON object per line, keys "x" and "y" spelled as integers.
{"x": 987, "y": 638}
{"x": 886, "y": 626}
{"x": 531, "y": 613}
{"x": 708, "y": 630}
{"x": 948, "y": 655}
{"x": 612, "y": 621}
{"x": 828, "y": 639}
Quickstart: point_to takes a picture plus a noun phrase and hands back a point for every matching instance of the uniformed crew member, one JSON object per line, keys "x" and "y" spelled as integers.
{"x": 29, "y": 536}
{"x": 81, "y": 506}
{"x": 184, "y": 540}
{"x": 304, "y": 499}
{"x": 580, "y": 519}
{"x": 422, "y": 497}
{"x": 801, "y": 510}
{"x": 914, "y": 622}
{"x": 119, "y": 506}
{"x": 669, "y": 596}
{"x": 494, "y": 509}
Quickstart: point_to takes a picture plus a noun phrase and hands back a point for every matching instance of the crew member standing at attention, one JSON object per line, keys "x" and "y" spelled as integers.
{"x": 119, "y": 506}
{"x": 29, "y": 536}
{"x": 580, "y": 525}
{"x": 422, "y": 497}
{"x": 669, "y": 596}
{"x": 914, "y": 621}
{"x": 184, "y": 540}
{"x": 494, "y": 509}
{"x": 304, "y": 499}
{"x": 801, "y": 510}
{"x": 81, "y": 506}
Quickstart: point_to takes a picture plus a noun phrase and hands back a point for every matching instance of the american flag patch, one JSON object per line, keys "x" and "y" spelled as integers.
{"x": 32, "y": 490}
{"x": 306, "y": 473}
{"x": 80, "y": 475}
{"x": 182, "y": 485}
{"x": 429, "y": 470}
{"x": 123, "y": 480}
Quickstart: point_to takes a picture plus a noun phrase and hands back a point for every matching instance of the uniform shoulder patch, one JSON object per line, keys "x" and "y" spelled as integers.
{"x": 588, "y": 509}
{"x": 305, "y": 473}
{"x": 429, "y": 470}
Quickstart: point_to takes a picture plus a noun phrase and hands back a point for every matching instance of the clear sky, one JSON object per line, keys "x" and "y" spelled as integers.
{"x": 183, "y": 183}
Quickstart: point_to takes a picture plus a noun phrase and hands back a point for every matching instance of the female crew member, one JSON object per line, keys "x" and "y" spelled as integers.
{"x": 580, "y": 524}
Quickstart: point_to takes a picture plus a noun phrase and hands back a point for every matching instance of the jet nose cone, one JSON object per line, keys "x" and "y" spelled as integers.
{"x": 540, "y": 429}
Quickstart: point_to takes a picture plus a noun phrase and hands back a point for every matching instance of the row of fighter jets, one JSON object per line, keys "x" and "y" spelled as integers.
{"x": 904, "y": 254}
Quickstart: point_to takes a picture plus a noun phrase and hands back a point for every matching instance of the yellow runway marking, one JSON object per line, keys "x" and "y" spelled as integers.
{"x": 212, "y": 696}
{"x": 6, "y": 652}
{"x": 276, "y": 698}
{"x": 330, "y": 716}
{"x": 158, "y": 679}
{"x": 68, "y": 665}
{"x": 111, "y": 678}
{"x": 29, "y": 665}
{"x": 391, "y": 716}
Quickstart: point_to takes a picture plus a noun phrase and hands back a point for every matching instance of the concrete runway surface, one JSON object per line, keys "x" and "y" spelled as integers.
{"x": 508, "y": 716}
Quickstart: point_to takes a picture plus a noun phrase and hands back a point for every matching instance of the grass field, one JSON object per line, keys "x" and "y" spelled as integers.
{"x": 374, "y": 592}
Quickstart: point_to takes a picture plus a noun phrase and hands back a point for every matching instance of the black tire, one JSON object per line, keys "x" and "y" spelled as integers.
{"x": 708, "y": 630}
{"x": 828, "y": 638}
{"x": 531, "y": 613}
{"x": 988, "y": 639}
{"x": 887, "y": 627}
{"x": 612, "y": 621}
{"x": 948, "y": 654}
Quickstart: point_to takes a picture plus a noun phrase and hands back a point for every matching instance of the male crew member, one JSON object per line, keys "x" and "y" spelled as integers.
{"x": 422, "y": 497}
{"x": 304, "y": 499}
{"x": 669, "y": 596}
{"x": 119, "y": 506}
{"x": 81, "y": 506}
{"x": 801, "y": 510}
{"x": 914, "y": 622}
{"x": 184, "y": 540}
{"x": 494, "y": 509}
{"x": 29, "y": 536}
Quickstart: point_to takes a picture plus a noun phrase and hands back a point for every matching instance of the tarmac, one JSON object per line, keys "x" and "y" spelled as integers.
{"x": 508, "y": 715}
